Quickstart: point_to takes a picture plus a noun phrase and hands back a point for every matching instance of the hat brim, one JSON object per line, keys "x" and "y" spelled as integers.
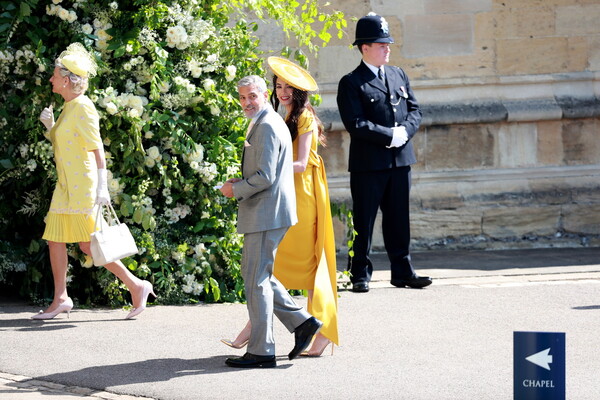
{"x": 292, "y": 74}
{"x": 388, "y": 39}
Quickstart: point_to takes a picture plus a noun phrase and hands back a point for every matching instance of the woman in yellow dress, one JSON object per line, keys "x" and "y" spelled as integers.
{"x": 82, "y": 179}
{"x": 305, "y": 258}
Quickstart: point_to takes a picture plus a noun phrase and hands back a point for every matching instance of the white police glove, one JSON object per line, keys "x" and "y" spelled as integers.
{"x": 47, "y": 117}
{"x": 102, "y": 195}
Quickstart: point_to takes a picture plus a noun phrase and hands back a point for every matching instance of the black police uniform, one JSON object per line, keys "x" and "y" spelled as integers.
{"x": 380, "y": 176}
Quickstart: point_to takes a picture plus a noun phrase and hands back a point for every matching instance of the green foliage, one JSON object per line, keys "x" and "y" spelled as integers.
{"x": 171, "y": 125}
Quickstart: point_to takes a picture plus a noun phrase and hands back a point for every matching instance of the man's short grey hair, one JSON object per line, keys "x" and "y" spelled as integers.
{"x": 79, "y": 84}
{"x": 253, "y": 80}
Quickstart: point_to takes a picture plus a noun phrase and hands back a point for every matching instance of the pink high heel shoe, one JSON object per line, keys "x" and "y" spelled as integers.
{"x": 147, "y": 289}
{"x": 231, "y": 343}
{"x": 318, "y": 352}
{"x": 65, "y": 306}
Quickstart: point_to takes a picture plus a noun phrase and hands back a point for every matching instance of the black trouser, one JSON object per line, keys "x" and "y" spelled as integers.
{"x": 389, "y": 190}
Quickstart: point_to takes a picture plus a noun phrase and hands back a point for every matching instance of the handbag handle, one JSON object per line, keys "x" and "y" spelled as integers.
{"x": 112, "y": 216}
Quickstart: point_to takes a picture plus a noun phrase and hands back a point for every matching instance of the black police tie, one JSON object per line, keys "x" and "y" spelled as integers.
{"x": 380, "y": 75}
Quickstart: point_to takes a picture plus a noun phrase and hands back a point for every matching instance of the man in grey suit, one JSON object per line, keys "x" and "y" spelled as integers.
{"x": 267, "y": 208}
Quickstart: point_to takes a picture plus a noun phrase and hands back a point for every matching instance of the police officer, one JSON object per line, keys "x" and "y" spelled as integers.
{"x": 379, "y": 110}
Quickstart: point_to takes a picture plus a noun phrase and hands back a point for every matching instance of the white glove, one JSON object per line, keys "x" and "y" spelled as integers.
{"x": 47, "y": 117}
{"x": 102, "y": 195}
{"x": 400, "y": 137}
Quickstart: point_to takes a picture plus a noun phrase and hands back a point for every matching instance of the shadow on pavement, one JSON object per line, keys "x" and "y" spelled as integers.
{"x": 106, "y": 377}
{"x": 492, "y": 260}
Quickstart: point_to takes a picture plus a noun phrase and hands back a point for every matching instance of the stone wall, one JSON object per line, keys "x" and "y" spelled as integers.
{"x": 509, "y": 148}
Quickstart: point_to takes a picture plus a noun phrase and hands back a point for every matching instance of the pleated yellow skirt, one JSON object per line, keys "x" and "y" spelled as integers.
{"x": 68, "y": 228}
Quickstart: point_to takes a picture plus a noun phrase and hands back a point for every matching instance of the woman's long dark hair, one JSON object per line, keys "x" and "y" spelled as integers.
{"x": 299, "y": 104}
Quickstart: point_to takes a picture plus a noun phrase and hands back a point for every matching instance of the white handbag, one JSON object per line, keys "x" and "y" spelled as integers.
{"x": 113, "y": 240}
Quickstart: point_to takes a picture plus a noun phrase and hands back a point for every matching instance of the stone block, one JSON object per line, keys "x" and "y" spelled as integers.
{"x": 447, "y": 147}
{"x": 533, "y": 110}
{"x": 518, "y": 4}
{"x": 532, "y": 55}
{"x": 445, "y": 223}
{"x": 436, "y": 195}
{"x": 519, "y": 221}
{"x": 335, "y": 154}
{"x": 463, "y": 113}
{"x": 549, "y": 146}
{"x": 517, "y": 145}
{"x": 398, "y": 8}
{"x": 580, "y": 142}
{"x": 497, "y": 190}
{"x": 577, "y": 19}
{"x": 594, "y": 51}
{"x": 524, "y": 22}
{"x": 579, "y": 53}
{"x": 334, "y": 62}
{"x": 457, "y": 6}
{"x": 581, "y": 218}
{"x": 438, "y": 35}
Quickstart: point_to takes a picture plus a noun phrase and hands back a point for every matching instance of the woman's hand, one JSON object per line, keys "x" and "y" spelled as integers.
{"x": 47, "y": 117}
{"x": 102, "y": 195}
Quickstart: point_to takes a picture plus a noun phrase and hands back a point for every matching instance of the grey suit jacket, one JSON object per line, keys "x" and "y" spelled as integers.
{"x": 266, "y": 194}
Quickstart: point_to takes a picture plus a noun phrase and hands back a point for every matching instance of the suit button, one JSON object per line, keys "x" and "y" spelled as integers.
{"x": 372, "y": 100}
{"x": 394, "y": 110}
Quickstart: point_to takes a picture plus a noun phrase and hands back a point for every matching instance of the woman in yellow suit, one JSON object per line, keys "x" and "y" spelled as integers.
{"x": 306, "y": 256}
{"x": 82, "y": 179}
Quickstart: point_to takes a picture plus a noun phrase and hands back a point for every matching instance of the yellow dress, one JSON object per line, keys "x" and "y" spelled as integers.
{"x": 305, "y": 258}
{"x": 73, "y": 136}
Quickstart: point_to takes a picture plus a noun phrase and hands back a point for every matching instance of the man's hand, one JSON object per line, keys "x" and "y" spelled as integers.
{"x": 227, "y": 188}
{"x": 47, "y": 117}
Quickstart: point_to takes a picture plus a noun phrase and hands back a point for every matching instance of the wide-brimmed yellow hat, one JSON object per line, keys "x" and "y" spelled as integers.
{"x": 77, "y": 60}
{"x": 292, "y": 74}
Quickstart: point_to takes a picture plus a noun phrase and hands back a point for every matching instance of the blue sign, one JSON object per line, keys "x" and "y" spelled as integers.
{"x": 539, "y": 366}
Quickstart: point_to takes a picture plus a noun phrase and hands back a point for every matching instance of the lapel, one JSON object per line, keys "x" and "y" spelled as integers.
{"x": 258, "y": 119}
{"x": 249, "y": 135}
{"x": 372, "y": 79}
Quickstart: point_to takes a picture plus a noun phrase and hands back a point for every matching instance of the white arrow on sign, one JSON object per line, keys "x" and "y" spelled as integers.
{"x": 541, "y": 359}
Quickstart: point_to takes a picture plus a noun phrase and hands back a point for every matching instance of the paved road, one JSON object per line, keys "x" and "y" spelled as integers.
{"x": 452, "y": 340}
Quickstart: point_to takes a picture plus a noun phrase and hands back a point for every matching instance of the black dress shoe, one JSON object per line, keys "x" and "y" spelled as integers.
{"x": 416, "y": 282}
{"x": 252, "y": 361}
{"x": 303, "y": 335}
{"x": 360, "y": 287}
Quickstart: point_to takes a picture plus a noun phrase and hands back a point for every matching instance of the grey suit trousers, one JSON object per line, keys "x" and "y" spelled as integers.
{"x": 265, "y": 295}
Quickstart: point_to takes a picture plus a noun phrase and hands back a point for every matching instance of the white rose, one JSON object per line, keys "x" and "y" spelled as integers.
{"x": 134, "y": 113}
{"x": 230, "y": 72}
{"x": 87, "y": 29}
{"x": 113, "y": 185}
{"x": 208, "y": 84}
{"x": 111, "y": 108}
{"x": 63, "y": 14}
{"x": 150, "y": 162}
{"x": 214, "y": 110}
{"x": 154, "y": 153}
{"x": 114, "y": 5}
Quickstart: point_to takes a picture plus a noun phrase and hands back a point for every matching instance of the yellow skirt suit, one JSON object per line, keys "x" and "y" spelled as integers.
{"x": 305, "y": 258}
{"x": 73, "y": 136}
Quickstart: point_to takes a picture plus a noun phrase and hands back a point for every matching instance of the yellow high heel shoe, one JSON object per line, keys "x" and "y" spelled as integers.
{"x": 65, "y": 306}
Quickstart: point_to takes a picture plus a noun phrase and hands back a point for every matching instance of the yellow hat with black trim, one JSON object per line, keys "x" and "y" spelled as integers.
{"x": 292, "y": 74}
{"x": 78, "y": 61}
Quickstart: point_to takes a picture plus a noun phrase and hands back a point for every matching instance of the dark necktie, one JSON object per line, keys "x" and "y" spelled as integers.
{"x": 380, "y": 75}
